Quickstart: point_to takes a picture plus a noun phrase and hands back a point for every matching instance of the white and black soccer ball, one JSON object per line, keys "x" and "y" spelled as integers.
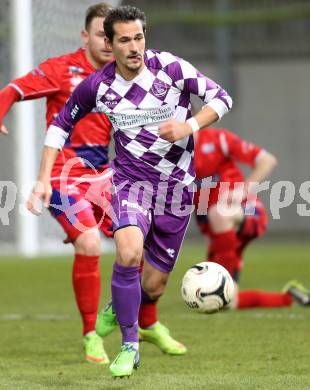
{"x": 207, "y": 287}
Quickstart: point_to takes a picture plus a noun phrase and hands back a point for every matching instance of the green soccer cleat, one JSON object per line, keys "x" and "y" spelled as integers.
{"x": 94, "y": 351}
{"x": 298, "y": 292}
{"x": 126, "y": 361}
{"x": 106, "y": 321}
{"x": 159, "y": 335}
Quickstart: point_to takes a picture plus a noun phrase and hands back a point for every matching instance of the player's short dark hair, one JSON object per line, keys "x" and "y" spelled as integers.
{"x": 125, "y": 13}
{"x": 99, "y": 10}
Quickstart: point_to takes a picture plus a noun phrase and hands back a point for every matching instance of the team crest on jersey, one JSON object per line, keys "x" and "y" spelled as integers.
{"x": 159, "y": 89}
{"x": 110, "y": 96}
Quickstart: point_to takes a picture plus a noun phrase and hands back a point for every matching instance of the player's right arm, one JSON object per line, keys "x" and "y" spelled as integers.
{"x": 264, "y": 164}
{"x": 81, "y": 102}
{"x": 45, "y": 80}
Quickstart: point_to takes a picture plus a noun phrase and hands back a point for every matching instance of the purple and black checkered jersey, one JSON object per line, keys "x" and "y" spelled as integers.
{"x": 137, "y": 107}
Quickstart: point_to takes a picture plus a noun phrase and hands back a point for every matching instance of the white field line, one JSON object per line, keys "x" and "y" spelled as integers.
{"x": 190, "y": 315}
{"x": 255, "y": 315}
{"x": 34, "y": 317}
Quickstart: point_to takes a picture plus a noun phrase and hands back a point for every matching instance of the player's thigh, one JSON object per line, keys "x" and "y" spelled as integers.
{"x": 104, "y": 221}
{"x": 98, "y": 193}
{"x": 73, "y": 212}
{"x": 255, "y": 222}
{"x": 131, "y": 224}
{"x": 164, "y": 240}
{"x": 222, "y": 217}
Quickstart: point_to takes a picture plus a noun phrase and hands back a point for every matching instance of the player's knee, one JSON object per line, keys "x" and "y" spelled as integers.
{"x": 88, "y": 244}
{"x": 129, "y": 256}
{"x": 154, "y": 289}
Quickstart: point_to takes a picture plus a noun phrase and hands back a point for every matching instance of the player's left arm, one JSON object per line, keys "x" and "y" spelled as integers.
{"x": 217, "y": 100}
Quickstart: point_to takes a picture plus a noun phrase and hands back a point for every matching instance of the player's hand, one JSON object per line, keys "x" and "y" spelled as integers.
{"x": 173, "y": 130}
{"x": 3, "y": 130}
{"x": 41, "y": 192}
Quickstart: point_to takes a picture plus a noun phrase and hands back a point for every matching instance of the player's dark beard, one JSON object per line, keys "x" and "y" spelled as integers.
{"x": 134, "y": 68}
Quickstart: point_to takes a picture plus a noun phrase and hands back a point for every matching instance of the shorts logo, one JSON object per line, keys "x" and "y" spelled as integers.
{"x": 159, "y": 89}
{"x": 170, "y": 252}
{"x": 134, "y": 206}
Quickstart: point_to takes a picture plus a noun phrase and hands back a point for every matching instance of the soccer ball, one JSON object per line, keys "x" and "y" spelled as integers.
{"x": 207, "y": 287}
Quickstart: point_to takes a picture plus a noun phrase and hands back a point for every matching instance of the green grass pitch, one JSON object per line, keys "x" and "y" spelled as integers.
{"x": 251, "y": 349}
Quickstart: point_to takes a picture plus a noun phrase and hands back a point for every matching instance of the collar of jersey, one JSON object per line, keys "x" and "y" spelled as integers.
{"x": 134, "y": 80}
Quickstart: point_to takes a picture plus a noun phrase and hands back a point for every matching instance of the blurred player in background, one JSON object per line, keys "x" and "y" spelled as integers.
{"x": 230, "y": 214}
{"x": 55, "y": 79}
{"x": 147, "y": 97}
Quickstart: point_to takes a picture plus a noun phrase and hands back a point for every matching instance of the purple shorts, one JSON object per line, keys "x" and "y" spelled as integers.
{"x": 163, "y": 220}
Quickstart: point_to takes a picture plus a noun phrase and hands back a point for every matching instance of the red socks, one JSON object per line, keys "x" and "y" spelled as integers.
{"x": 147, "y": 314}
{"x": 148, "y": 308}
{"x": 257, "y": 298}
{"x": 246, "y": 299}
{"x": 222, "y": 250}
{"x": 86, "y": 285}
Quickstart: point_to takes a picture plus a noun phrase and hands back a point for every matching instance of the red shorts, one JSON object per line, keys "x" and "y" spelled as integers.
{"x": 81, "y": 205}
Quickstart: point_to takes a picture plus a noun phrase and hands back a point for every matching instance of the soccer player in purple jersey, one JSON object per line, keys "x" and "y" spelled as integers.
{"x": 146, "y": 95}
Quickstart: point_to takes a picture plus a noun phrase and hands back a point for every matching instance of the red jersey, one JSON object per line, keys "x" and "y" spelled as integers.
{"x": 56, "y": 79}
{"x": 217, "y": 152}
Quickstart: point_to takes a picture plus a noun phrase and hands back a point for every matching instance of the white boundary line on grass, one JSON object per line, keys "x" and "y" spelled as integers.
{"x": 34, "y": 317}
{"x": 262, "y": 315}
{"x": 64, "y": 317}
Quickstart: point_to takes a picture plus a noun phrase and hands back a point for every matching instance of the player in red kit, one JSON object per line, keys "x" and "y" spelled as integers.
{"x": 229, "y": 212}
{"x": 55, "y": 79}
